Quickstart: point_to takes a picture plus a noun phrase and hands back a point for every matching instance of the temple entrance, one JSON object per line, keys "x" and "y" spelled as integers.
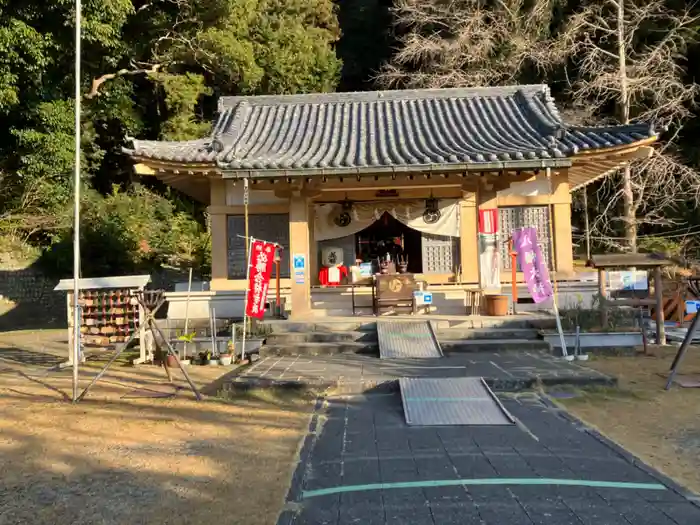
{"x": 388, "y": 236}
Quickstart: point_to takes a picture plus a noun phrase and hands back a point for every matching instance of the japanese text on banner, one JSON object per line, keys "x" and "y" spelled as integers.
{"x": 262, "y": 256}
{"x": 532, "y": 264}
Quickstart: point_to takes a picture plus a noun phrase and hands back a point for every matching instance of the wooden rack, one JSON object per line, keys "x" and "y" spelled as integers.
{"x": 110, "y": 312}
{"x": 108, "y": 316}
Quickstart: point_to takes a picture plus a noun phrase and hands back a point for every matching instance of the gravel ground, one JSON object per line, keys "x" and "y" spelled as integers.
{"x": 123, "y": 456}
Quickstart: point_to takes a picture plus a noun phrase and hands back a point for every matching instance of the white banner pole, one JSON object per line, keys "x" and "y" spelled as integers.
{"x": 245, "y": 299}
{"x": 76, "y": 204}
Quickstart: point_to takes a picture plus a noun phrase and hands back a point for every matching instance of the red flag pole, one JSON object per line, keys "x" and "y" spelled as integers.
{"x": 245, "y": 300}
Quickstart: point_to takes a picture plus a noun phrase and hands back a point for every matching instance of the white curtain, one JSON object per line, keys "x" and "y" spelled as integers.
{"x": 409, "y": 213}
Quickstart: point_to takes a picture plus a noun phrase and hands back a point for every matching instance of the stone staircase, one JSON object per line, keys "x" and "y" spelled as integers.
{"x": 494, "y": 339}
{"x": 320, "y": 340}
{"x": 359, "y": 336}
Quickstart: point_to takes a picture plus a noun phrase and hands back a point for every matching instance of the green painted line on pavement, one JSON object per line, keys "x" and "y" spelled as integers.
{"x": 440, "y": 399}
{"x": 486, "y": 481}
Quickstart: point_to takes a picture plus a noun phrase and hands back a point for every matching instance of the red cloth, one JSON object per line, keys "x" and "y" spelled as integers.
{"x": 488, "y": 221}
{"x": 327, "y": 280}
{"x": 262, "y": 255}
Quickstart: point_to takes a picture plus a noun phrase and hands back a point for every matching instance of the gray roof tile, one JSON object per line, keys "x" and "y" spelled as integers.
{"x": 389, "y": 129}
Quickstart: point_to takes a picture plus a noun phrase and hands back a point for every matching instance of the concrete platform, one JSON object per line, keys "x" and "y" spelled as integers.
{"x": 439, "y": 322}
{"x": 354, "y": 373}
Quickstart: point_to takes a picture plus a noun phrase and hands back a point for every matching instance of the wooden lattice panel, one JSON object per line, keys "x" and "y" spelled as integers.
{"x": 514, "y": 217}
{"x": 440, "y": 254}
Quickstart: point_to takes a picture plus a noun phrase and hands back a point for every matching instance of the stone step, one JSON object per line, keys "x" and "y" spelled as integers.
{"x": 311, "y": 349}
{"x": 325, "y": 326}
{"x": 462, "y": 334}
{"x": 291, "y": 338}
{"x": 495, "y": 345}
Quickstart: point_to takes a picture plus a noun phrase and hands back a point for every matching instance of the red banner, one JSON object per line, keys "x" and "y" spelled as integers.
{"x": 262, "y": 255}
{"x": 488, "y": 221}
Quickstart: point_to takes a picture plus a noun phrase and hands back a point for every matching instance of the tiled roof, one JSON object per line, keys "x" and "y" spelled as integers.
{"x": 375, "y": 131}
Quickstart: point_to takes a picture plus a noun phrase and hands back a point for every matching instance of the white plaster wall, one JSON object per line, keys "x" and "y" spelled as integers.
{"x": 234, "y": 195}
{"x": 531, "y": 188}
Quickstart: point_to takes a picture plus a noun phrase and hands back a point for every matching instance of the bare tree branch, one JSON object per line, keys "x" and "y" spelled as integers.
{"x": 469, "y": 42}
{"x": 629, "y": 54}
{"x": 97, "y": 82}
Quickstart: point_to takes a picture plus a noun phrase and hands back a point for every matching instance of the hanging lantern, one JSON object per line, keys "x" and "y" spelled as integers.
{"x": 432, "y": 212}
{"x": 344, "y": 218}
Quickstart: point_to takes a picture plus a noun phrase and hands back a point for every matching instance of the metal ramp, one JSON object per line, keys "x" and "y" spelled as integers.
{"x": 451, "y": 401}
{"x": 407, "y": 339}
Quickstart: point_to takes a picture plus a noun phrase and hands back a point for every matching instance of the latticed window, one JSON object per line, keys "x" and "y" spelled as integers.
{"x": 440, "y": 253}
{"x": 513, "y": 217}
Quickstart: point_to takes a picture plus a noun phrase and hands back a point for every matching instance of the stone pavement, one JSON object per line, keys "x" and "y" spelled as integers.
{"x": 363, "y": 439}
{"x": 354, "y": 373}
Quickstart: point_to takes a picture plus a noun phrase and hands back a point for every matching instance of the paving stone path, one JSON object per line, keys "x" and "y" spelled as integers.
{"x": 357, "y": 440}
{"x": 510, "y": 371}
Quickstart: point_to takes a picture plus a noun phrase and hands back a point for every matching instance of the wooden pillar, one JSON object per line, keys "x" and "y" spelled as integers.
{"x": 313, "y": 246}
{"x": 486, "y": 199}
{"x": 603, "y": 301}
{"x": 659, "y": 295}
{"x": 469, "y": 238}
{"x": 219, "y": 232}
{"x": 299, "y": 244}
{"x": 563, "y": 246}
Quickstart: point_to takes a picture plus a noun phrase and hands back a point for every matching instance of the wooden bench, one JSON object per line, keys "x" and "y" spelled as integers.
{"x": 472, "y": 301}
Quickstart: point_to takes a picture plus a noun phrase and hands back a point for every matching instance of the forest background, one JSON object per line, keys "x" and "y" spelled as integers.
{"x": 154, "y": 69}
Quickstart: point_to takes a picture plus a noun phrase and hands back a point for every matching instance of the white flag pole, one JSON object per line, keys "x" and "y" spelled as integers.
{"x": 245, "y": 300}
{"x": 76, "y": 204}
{"x": 555, "y": 307}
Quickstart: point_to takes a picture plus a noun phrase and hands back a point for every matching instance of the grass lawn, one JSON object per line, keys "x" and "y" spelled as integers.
{"x": 124, "y": 457}
{"x": 662, "y": 428}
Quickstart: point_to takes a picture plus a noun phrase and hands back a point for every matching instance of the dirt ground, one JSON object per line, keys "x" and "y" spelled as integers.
{"x": 662, "y": 428}
{"x": 123, "y": 456}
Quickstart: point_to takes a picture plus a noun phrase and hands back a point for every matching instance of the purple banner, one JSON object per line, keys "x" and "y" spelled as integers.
{"x": 532, "y": 264}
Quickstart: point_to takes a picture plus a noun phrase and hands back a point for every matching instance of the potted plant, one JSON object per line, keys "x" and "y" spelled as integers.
{"x": 186, "y": 339}
{"x": 204, "y": 357}
{"x": 226, "y": 358}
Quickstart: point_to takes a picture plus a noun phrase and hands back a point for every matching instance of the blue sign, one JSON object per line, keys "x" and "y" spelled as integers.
{"x": 691, "y": 307}
{"x": 423, "y": 298}
{"x": 365, "y": 269}
{"x": 299, "y": 261}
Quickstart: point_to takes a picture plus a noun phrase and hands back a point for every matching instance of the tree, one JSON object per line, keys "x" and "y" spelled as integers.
{"x": 470, "y": 43}
{"x": 152, "y": 69}
{"x": 629, "y": 57}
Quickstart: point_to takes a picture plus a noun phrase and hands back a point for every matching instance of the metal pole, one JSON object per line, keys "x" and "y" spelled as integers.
{"x": 245, "y": 299}
{"x": 513, "y": 274}
{"x": 76, "y": 204}
{"x": 687, "y": 340}
{"x": 187, "y": 312}
{"x": 246, "y": 198}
